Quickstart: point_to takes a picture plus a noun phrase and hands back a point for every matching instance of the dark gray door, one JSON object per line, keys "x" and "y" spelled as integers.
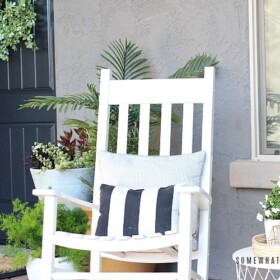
{"x": 26, "y": 74}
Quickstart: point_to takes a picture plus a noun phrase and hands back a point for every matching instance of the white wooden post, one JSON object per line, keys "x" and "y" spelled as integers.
{"x": 203, "y": 254}
{"x": 185, "y": 239}
{"x": 49, "y": 228}
{"x": 95, "y": 262}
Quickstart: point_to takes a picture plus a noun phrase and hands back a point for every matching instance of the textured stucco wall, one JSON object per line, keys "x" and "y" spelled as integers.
{"x": 170, "y": 32}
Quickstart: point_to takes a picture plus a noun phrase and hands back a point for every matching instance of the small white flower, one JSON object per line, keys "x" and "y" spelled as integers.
{"x": 266, "y": 197}
{"x": 267, "y": 213}
{"x": 278, "y": 183}
{"x": 275, "y": 210}
{"x": 260, "y": 217}
{"x": 263, "y": 206}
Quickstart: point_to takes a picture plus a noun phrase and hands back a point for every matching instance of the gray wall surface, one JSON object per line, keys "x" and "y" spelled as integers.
{"x": 170, "y": 32}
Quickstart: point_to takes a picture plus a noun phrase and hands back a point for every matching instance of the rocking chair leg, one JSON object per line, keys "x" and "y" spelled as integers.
{"x": 49, "y": 227}
{"x": 184, "y": 255}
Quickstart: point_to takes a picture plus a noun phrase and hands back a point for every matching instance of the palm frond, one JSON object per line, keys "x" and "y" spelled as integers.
{"x": 69, "y": 102}
{"x": 125, "y": 61}
{"x": 76, "y": 123}
{"x": 195, "y": 66}
{"x": 86, "y": 182}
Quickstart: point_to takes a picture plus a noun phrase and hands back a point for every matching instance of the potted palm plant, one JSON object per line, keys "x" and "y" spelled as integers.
{"x": 24, "y": 228}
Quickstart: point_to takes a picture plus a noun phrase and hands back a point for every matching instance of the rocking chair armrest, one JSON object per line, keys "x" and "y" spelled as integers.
{"x": 65, "y": 199}
{"x": 199, "y": 197}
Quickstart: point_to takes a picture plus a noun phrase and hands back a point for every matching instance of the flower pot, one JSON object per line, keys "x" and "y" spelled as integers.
{"x": 110, "y": 265}
{"x": 66, "y": 181}
{"x": 272, "y": 231}
{"x": 33, "y": 267}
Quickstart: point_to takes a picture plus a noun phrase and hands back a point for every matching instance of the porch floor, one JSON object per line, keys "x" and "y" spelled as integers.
{"x": 23, "y": 277}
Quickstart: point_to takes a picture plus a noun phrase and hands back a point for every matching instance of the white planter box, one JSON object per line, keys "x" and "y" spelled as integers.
{"x": 33, "y": 268}
{"x": 66, "y": 181}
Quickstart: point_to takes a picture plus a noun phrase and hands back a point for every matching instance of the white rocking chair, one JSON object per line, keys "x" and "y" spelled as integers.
{"x": 144, "y": 233}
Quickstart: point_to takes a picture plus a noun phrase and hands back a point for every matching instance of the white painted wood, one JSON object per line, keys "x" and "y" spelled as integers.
{"x": 208, "y": 129}
{"x": 111, "y": 275}
{"x": 103, "y": 245}
{"x": 187, "y": 128}
{"x": 122, "y": 129}
{"x": 254, "y": 81}
{"x": 95, "y": 262}
{"x": 155, "y": 91}
{"x": 165, "y": 129}
{"x": 199, "y": 197}
{"x": 102, "y": 127}
{"x": 185, "y": 237}
{"x": 65, "y": 199}
{"x": 145, "y": 92}
{"x": 144, "y": 128}
{"x": 33, "y": 267}
{"x": 203, "y": 244}
{"x": 49, "y": 227}
{"x": 140, "y": 257}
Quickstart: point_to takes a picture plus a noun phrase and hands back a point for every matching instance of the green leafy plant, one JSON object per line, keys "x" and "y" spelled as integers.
{"x": 70, "y": 152}
{"x": 195, "y": 67}
{"x": 125, "y": 60}
{"x": 24, "y": 227}
{"x": 17, "y": 19}
{"x": 271, "y": 204}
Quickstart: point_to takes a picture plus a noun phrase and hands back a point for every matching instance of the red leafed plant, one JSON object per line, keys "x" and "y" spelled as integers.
{"x": 73, "y": 144}
{"x": 73, "y": 150}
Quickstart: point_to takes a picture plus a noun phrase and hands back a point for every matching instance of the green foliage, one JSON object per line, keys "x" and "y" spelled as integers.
{"x": 195, "y": 67}
{"x": 71, "y": 220}
{"x": 17, "y": 20}
{"x": 51, "y": 156}
{"x": 24, "y": 232}
{"x": 24, "y": 227}
{"x": 70, "y": 102}
{"x": 271, "y": 204}
{"x": 125, "y": 60}
{"x": 79, "y": 257}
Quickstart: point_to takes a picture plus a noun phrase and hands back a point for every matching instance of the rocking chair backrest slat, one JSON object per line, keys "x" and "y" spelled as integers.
{"x": 144, "y": 129}
{"x": 122, "y": 128}
{"x": 165, "y": 129}
{"x": 164, "y": 92}
{"x": 187, "y": 128}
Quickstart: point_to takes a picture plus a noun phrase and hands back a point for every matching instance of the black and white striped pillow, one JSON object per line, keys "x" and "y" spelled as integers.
{"x": 127, "y": 212}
